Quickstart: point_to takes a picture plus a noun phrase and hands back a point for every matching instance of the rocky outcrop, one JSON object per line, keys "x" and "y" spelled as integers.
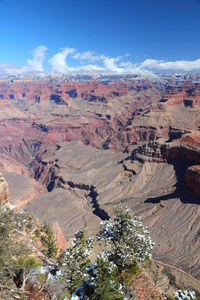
{"x": 162, "y": 151}
{"x": 145, "y": 288}
{"x": 186, "y": 151}
{"x": 4, "y": 190}
{"x": 192, "y": 179}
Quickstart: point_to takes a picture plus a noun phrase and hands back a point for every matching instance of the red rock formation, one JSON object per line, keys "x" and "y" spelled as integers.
{"x": 40, "y": 90}
{"x": 145, "y": 288}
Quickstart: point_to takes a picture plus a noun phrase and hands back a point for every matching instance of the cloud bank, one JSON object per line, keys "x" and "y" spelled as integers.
{"x": 184, "y": 65}
{"x": 91, "y": 63}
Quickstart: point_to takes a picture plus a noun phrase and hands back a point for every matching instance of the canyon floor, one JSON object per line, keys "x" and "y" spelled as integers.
{"x": 72, "y": 150}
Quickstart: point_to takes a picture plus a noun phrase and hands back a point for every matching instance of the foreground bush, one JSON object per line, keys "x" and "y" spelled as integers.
{"x": 109, "y": 277}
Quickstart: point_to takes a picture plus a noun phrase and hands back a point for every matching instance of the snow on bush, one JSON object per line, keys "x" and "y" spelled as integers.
{"x": 130, "y": 240}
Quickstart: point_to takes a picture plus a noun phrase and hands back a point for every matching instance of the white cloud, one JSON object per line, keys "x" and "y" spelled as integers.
{"x": 58, "y": 61}
{"x": 9, "y": 69}
{"x": 35, "y": 65}
{"x": 185, "y": 65}
{"x": 92, "y": 64}
{"x": 126, "y": 64}
{"x": 87, "y": 70}
{"x": 110, "y": 65}
{"x": 89, "y": 56}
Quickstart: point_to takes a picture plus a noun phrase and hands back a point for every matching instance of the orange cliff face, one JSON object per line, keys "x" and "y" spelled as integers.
{"x": 62, "y": 244}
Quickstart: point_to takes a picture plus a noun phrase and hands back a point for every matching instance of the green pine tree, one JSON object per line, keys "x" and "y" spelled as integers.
{"x": 11, "y": 246}
{"x": 77, "y": 259}
{"x": 129, "y": 239}
{"x": 49, "y": 242}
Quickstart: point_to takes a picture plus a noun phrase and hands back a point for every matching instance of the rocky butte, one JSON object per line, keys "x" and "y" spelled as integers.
{"x": 71, "y": 149}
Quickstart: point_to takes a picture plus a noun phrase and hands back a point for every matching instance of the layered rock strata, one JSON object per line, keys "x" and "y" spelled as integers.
{"x": 90, "y": 146}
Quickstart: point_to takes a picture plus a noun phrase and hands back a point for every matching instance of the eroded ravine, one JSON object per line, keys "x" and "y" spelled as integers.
{"x": 92, "y": 194}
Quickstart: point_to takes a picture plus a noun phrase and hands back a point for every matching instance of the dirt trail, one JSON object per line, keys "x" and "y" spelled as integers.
{"x": 176, "y": 268}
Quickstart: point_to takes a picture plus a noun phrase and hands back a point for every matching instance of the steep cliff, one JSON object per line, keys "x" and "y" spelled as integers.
{"x": 192, "y": 179}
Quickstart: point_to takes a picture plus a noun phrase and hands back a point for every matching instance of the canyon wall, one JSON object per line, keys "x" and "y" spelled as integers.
{"x": 88, "y": 146}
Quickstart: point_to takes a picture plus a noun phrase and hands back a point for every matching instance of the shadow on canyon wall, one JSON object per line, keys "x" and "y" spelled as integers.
{"x": 184, "y": 194}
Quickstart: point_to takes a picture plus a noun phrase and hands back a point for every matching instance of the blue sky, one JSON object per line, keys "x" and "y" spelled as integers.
{"x": 99, "y": 36}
